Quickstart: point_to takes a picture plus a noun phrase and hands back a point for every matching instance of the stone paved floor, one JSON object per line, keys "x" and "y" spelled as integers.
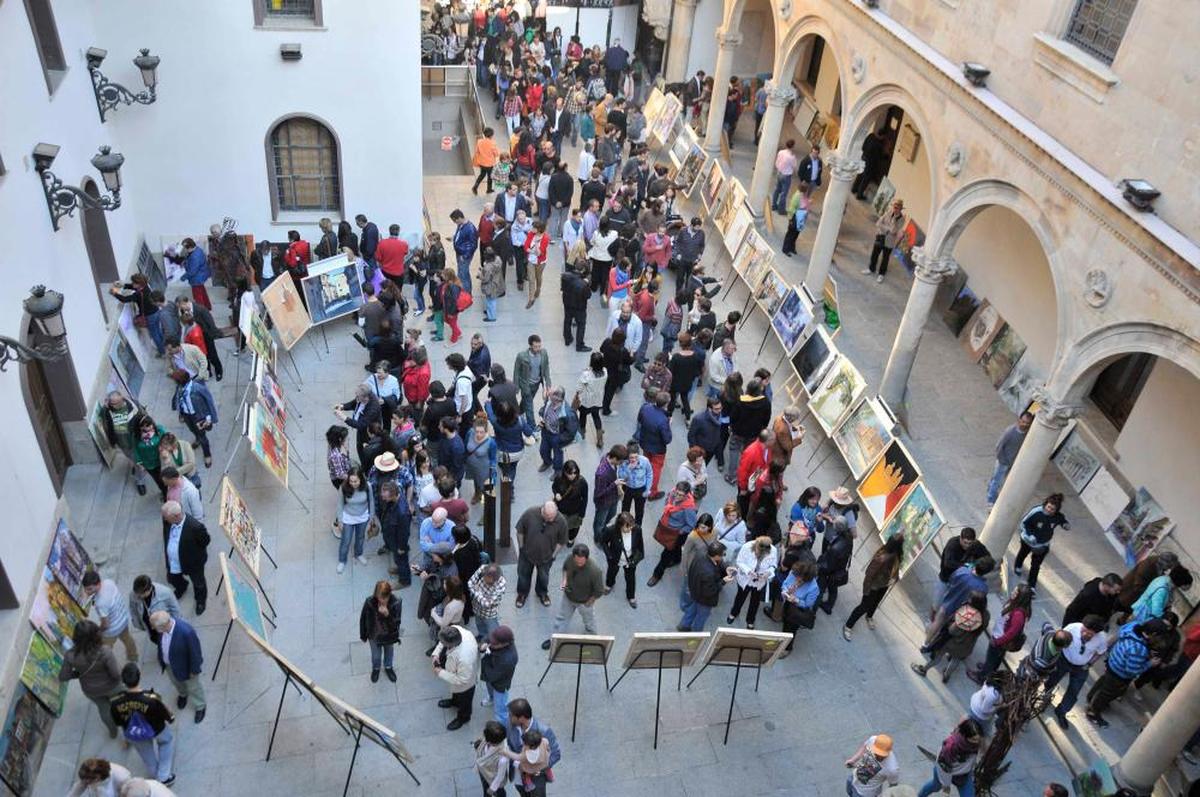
{"x": 790, "y": 737}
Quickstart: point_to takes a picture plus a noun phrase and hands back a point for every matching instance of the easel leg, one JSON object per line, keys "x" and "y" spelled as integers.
{"x": 545, "y": 672}
{"x": 297, "y": 380}
{"x": 763, "y": 345}
{"x": 278, "y": 713}
{"x": 658, "y": 698}
{"x": 606, "y": 675}
{"x": 303, "y": 505}
{"x": 224, "y": 642}
{"x": 697, "y": 675}
{"x": 578, "y": 678}
{"x": 228, "y": 465}
{"x": 267, "y": 554}
{"x": 824, "y": 459}
{"x": 621, "y": 677}
{"x": 296, "y": 464}
{"x": 746, "y": 309}
{"x": 353, "y": 758}
{"x": 733, "y": 694}
{"x": 263, "y": 590}
{"x": 326, "y": 339}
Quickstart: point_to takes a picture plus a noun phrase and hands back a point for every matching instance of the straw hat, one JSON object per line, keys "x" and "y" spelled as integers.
{"x": 840, "y": 496}
{"x": 386, "y": 462}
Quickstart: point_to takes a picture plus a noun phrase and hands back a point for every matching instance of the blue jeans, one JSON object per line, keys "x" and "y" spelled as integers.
{"x": 489, "y": 307}
{"x": 527, "y": 406}
{"x": 552, "y": 453}
{"x": 685, "y": 597}
{"x": 154, "y": 327}
{"x": 419, "y": 294}
{"x": 357, "y": 531}
{"x": 383, "y": 652}
{"x": 998, "y": 477}
{"x": 609, "y": 172}
{"x": 464, "y": 272}
{"x": 485, "y": 626}
{"x": 158, "y": 754}
{"x": 499, "y": 705}
{"x": 1076, "y": 678}
{"x": 695, "y": 615}
{"x": 603, "y": 516}
{"x": 965, "y": 784}
{"x": 783, "y": 184}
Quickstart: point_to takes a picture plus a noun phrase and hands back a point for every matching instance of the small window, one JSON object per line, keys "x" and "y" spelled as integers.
{"x": 1097, "y": 26}
{"x": 1118, "y": 386}
{"x": 45, "y": 37}
{"x": 287, "y": 13}
{"x": 304, "y": 166}
{"x": 814, "y": 61}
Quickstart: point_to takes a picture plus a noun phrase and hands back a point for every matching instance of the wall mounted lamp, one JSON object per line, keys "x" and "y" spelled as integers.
{"x": 111, "y": 95}
{"x": 44, "y": 307}
{"x": 63, "y": 200}
{"x": 1139, "y": 193}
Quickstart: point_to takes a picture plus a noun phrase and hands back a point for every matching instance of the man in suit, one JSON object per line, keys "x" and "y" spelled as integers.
{"x": 180, "y": 656}
{"x": 576, "y": 292}
{"x": 368, "y": 242}
{"x": 811, "y": 168}
{"x": 560, "y": 122}
{"x": 531, "y": 370}
{"x": 359, "y": 413}
{"x": 509, "y": 202}
{"x": 185, "y": 544}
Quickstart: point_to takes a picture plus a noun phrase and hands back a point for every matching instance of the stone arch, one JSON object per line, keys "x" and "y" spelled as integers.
{"x": 1085, "y": 358}
{"x": 787, "y": 53}
{"x": 877, "y": 98}
{"x": 952, "y": 219}
{"x": 98, "y": 245}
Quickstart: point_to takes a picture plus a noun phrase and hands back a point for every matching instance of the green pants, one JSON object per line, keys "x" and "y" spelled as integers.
{"x": 439, "y": 323}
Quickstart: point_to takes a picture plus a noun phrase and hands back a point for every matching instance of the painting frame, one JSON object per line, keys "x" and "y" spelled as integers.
{"x": 842, "y": 386}
{"x": 1075, "y": 460}
{"x": 732, "y": 238}
{"x": 54, "y": 611}
{"x": 919, "y": 519}
{"x": 884, "y": 194}
{"x": 791, "y": 319}
{"x": 258, "y": 338}
{"x": 39, "y": 674}
{"x": 888, "y": 482}
{"x": 286, "y": 308}
{"x": 334, "y": 291}
{"x": 68, "y": 560}
{"x": 1018, "y": 388}
{"x": 686, "y": 644}
{"x": 269, "y": 392}
{"x": 268, "y": 443}
{"x": 691, "y": 169}
{"x": 714, "y": 181}
{"x": 865, "y": 433}
{"x": 979, "y": 332}
{"x": 235, "y": 520}
{"x": 23, "y": 741}
{"x": 1002, "y": 354}
{"x": 241, "y": 596}
{"x": 813, "y": 359}
{"x": 125, "y": 362}
{"x": 579, "y": 648}
{"x": 1139, "y": 527}
{"x": 722, "y": 653}
{"x": 1104, "y": 497}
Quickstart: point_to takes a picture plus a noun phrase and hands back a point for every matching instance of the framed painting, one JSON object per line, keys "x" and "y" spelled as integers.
{"x": 653, "y": 106}
{"x": 1105, "y": 498}
{"x": 54, "y": 612}
{"x": 998, "y": 361}
{"x": 1139, "y": 527}
{"x": 690, "y": 171}
{"x": 125, "y": 362}
{"x": 680, "y": 649}
{"x": 888, "y": 482}
{"x": 685, "y": 139}
{"x": 360, "y": 723}
{"x": 742, "y": 222}
{"x": 287, "y": 310}
{"x": 908, "y": 142}
{"x": 1076, "y": 460}
{"x": 242, "y": 598}
{"x": 239, "y": 526}
{"x": 771, "y": 292}
{"x": 39, "y": 673}
{"x": 813, "y": 359}
{"x": 23, "y": 741}
{"x": 68, "y": 561}
{"x": 761, "y": 262}
{"x": 918, "y": 520}
{"x": 1018, "y": 388}
{"x": 734, "y": 197}
{"x": 151, "y": 268}
{"x": 333, "y": 292}
{"x": 961, "y": 309}
{"x": 577, "y": 648}
{"x": 883, "y": 197}
{"x": 258, "y": 337}
{"x": 864, "y": 435}
{"x": 754, "y": 647}
{"x": 981, "y": 330}
{"x": 835, "y": 397}
{"x": 268, "y": 442}
{"x": 746, "y": 251}
{"x": 270, "y": 394}
{"x": 791, "y": 319}
{"x": 714, "y": 180}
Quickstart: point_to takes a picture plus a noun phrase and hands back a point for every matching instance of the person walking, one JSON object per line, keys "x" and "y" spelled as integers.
{"x": 1037, "y": 529}
{"x": 146, "y": 598}
{"x": 678, "y": 519}
{"x": 541, "y": 533}
{"x": 958, "y": 639}
{"x": 497, "y": 665}
{"x": 888, "y": 230}
{"x": 582, "y": 585}
{"x": 1008, "y": 634}
{"x": 882, "y": 571}
{"x": 180, "y": 655}
{"x": 394, "y": 510}
{"x": 873, "y": 767}
{"x": 1007, "y": 448}
{"x": 537, "y": 244}
{"x": 589, "y": 396}
{"x": 112, "y": 611}
{"x": 197, "y": 409}
{"x": 705, "y": 579}
{"x": 491, "y": 282}
{"x": 785, "y": 168}
{"x": 185, "y": 544}
{"x": 456, "y": 661}
{"x": 618, "y": 362}
{"x": 634, "y": 475}
{"x": 466, "y": 242}
{"x": 146, "y": 722}
{"x": 1089, "y": 643}
{"x": 570, "y": 491}
{"x": 531, "y": 370}
{"x": 93, "y": 663}
{"x": 967, "y": 579}
{"x": 379, "y": 627}
{"x": 607, "y": 489}
{"x": 575, "y": 292}
{"x": 1135, "y": 651}
{"x": 623, "y": 547}
{"x": 486, "y": 154}
{"x": 756, "y": 564}
{"x": 356, "y": 508}
{"x": 833, "y": 565}
{"x": 955, "y": 762}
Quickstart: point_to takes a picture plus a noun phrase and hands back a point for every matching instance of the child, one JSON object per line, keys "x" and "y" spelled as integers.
{"x": 533, "y": 758}
{"x": 489, "y": 755}
{"x": 501, "y": 171}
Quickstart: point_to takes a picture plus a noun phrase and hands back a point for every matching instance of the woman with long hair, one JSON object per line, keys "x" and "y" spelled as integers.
{"x": 1007, "y": 634}
{"x": 95, "y": 665}
{"x": 618, "y": 363}
{"x": 590, "y": 396}
{"x": 807, "y": 509}
{"x": 379, "y": 627}
{"x": 356, "y": 505}
{"x": 570, "y": 491}
{"x": 882, "y": 572}
{"x": 451, "y": 290}
{"x": 623, "y": 547}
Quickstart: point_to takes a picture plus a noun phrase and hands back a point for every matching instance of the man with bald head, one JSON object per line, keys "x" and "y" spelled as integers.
{"x": 185, "y": 543}
{"x": 434, "y": 529}
{"x": 541, "y": 534}
{"x": 180, "y": 655}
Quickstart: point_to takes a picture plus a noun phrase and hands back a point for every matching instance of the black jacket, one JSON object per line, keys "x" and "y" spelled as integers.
{"x": 370, "y": 240}
{"x": 688, "y": 247}
{"x": 497, "y": 667}
{"x": 574, "y": 495}
{"x": 193, "y": 545}
{"x": 704, "y": 581}
{"x": 369, "y": 415}
{"x": 592, "y": 189}
{"x": 613, "y": 546}
{"x": 835, "y": 555}
{"x": 327, "y": 246}
{"x": 468, "y": 559}
{"x": 805, "y": 169}
{"x": 955, "y": 555}
{"x": 435, "y": 410}
{"x": 562, "y": 188}
{"x": 705, "y": 431}
{"x": 685, "y": 369}
{"x": 394, "y": 522}
{"x": 389, "y": 631}
{"x": 749, "y": 416}
{"x": 575, "y": 291}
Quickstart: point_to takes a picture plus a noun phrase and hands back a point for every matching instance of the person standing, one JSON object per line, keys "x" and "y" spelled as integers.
{"x": 589, "y": 396}
{"x": 833, "y": 565}
{"x": 704, "y": 432}
{"x": 328, "y": 245}
{"x": 146, "y": 721}
{"x": 1133, "y": 653}
{"x": 561, "y": 192}
{"x": 872, "y": 767}
{"x": 811, "y": 168}
{"x": 491, "y": 281}
{"x": 112, "y": 610}
{"x": 466, "y": 241}
{"x": 558, "y": 427}
{"x": 184, "y": 491}
{"x": 1098, "y": 596}
{"x": 756, "y": 564}
{"x": 1008, "y": 634}
{"x": 456, "y": 661}
{"x": 575, "y": 292}
{"x": 705, "y": 578}
{"x": 955, "y": 762}
{"x": 677, "y": 521}
{"x": 1037, "y": 530}
{"x": 623, "y": 545}
{"x": 607, "y": 489}
{"x": 582, "y": 585}
{"x": 359, "y": 413}
{"x": 521, "y": 720}
{"x": 180, "y": 655}
{"x": 1007, "y": 448}
{"x": 537, "y": 244}
{"x": 356, "y": 507}
{"x": 1155, "y": 600}
{"x": 961, "y": 550}
{"x": 800, "y": 593}
{"x": 394, "y": 510}
{"x": 486, "y": 154}
{"x": 379, "y": 626}
{"x": 93, "y": 663}
{"x": 393, "y": 255}
{"x": 888, "y": 229}
{"x": 882, "y": 571}
{"x": 196, "y": 271}
{"x": 541, "y": 533}
{"x": 785, "y": 168}
{"x": 497, "y": 664}
{"x": 486, "y": 588}
{"x": 185, "y": 544}
{"x": 295, "y": 262}
{"x": 873, "y": 158}
{"x": 531, "y": 370}
{"x": 148, "y": 597}
{"x": 634, "y": 475}
{"x": 654, "y": 434}
{"x": 368, "y": 243}
{"x": 1089, "y": 643}
{"x": 490, "y": 762}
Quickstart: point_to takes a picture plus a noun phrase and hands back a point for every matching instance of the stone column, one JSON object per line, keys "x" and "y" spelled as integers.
{"x": 929, "y": 274}
{"x": 1018, "y": 493}
{"x": 727, "y": 44}
{"x": 763, "y": 181}
{"x": 681, "y": 41}
{"x": 843, "y": 170}
{"x": 1163, "y": 737}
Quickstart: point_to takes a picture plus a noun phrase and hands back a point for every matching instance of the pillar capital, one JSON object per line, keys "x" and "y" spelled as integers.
{"x": 933, "y": 268}
{"x": 779, "y": 95}
{"x": 846, "y": 169}
{"x": 1053, "y": 413}
{"x": 728, "y": 39}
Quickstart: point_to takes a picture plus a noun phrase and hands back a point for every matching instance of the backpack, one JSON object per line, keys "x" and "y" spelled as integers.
{"x": 867, "y": 769}
{"x": 465, "y": 300}
{"x": 138, "y": 728}
{"x": 967, "y": 619}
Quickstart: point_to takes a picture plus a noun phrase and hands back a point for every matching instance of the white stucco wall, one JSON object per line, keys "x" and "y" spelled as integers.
{"x": 912, "y": 182}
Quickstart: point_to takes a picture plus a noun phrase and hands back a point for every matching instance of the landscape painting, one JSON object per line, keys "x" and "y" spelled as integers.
{"x": 54, "y": 612}
{"x": 835, "y": 397}
{"x": 1139, "y": 528}
{"x": 771, "y": 292}
{"x": 68, "y": 561}
{"x": 125, "y": 362}
{"x": 333, "y": 293}
{"x": 998, "y": 361}
{"x": 742, "y": 221}
{"x": 283, "y": 302}
{"x": 268, "y": 443}
{"x": 961, "y": 309}
{"x": 39, "y": 673}
{"x": 919, "y": 520}
{"x": 691, "y": 169}
{"x": 791, "y": 319}
{"x": 980, "y": 330}
{"x": 863, "y": 436}
{"x": 23, "y": 741}
{"x": 813, "y": 360}
{"x": 888, "y": 483}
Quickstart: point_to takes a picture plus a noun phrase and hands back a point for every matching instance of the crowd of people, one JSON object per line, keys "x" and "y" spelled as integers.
{"x": 616, "y": 229}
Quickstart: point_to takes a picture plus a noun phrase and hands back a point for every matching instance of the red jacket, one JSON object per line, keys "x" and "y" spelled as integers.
{"x": 643, "y": 305}
{"x": 390, "y": 254}
{"x": 416, "y": 382}
{"x": 540, "y": 257}
{"x": 487, "y": 230}
{"x": 754, "y": 457}
{"x": 297, "y": 257}
{"x": 195, "y": 336}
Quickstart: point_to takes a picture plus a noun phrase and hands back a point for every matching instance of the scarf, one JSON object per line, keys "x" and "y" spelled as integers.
{"x": 552, "y": 415}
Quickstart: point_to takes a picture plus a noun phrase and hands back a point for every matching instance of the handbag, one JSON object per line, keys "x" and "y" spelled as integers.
{"x": 802, "y": 618}
{"x": 575, "y": 402}
{"x": 666, "y": 536}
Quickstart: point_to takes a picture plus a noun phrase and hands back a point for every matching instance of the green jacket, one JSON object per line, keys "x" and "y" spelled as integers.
{"x": 146, "y": 452}
{"x": 522, "y": 369}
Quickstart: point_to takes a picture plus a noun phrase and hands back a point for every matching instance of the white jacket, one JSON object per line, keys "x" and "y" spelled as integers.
{"x": 717, "y": 372}
{"x": 591, "y": 387}
{"x": 752, "y": 571}
{"x": 462, "y": 662}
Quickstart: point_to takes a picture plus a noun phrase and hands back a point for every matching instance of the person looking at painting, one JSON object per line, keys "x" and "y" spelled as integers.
{"x": 359, "y": 413}
{"x": 1007, "y": 448}
{"x": 185, "y": 541}
{"x": 1037, "y": 529}
{"x": 888, "y": 229}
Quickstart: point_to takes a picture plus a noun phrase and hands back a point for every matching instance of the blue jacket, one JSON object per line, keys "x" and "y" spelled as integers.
{"x": 453, "y": 454}
{"x": 705, "y": 431}
{"x": 184, "y": 656}
{"x": 653, "y": 429}
{"x": 960, "y": 586}
{"x": 515, "y": 743}
{"x": 1129, "y": 657}
{"x": 370, "y": 241}
{"x": 195, "y": 267}
{"x": 194, "y": 399}
{"x": 466, "y": 240}
{"x": 509, "y": 439}
{"x": 480, "y": 362}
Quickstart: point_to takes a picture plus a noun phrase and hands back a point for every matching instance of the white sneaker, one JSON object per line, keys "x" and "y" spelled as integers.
{"x": 362, "y": 560}
{"x": 866, "y": 271}
{"x": 879, "y": 279}
{"x": 341, "y": 567}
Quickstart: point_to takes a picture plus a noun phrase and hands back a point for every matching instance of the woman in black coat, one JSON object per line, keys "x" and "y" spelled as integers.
{"x": 623, "y": 545}
{"x": 619, "y": 363}
{"x": 379, "y": 626}
{"x": 833, "y": 566}
{"x": 571, "y": 495}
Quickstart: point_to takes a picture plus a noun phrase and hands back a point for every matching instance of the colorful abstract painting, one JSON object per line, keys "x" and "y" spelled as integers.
{"x": 283, "y": 302}
{"x": 918, "y": 520}
{"x": 270, "y": 394}
{"x": 268, "y": 442}
{"x": 258, "y": 337}
{"x": 888, "y": 482}
{"x": 54, "y": 612}
{"x": 239, "y": 526}
{"x": 39, "y": 673}
{"x": 1139, "y": 528}
{"x": 68, "y": 560}
{"x": 23, "y": 741}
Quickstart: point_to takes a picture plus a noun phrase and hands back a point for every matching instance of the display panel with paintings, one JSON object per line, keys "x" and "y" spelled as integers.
{"x": 813, "y": 359}
{"x": 54, "y": 612}
{"x": 691, "y": 169}
{"x": 1076, "y": 460}
{"x": 888, "y": 482}
{"x": 1022, "y": 382}
{"x": 918, "y": 520}
{"x": 268, "y": 442}
{"x": 1003, "y": 353}
{"x": 333, "y": 289}
{"x": 864, "y": 435}
{"x": 771, "y": 292}
{"x": 654, "y": 105}
{"x": 661, "y": 127}
{"x": 39, "y": 673}
{"x": 235, "y": 520}
{"x": 685, "y": 139}
{"x": 732, "y": 198}
{"x": 269, "y": 393}
{"x": 791, "y": 319}
{"x": 258, "y": 337}
{"x": 1139, "y": 528}
{"x": 125, "y": 362}
{"x": 283, "y": 302}
{"x": 714, "y": 181}
{"x": 741, "y": 224}
{"x": 23, "y": 741}
{"x": 68, "y": 561}
{"x": 835, "y": 397}
{"x": 981, "y": 330}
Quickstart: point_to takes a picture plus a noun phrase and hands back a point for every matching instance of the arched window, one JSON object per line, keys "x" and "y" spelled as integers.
{"x": 303, "y": 158}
